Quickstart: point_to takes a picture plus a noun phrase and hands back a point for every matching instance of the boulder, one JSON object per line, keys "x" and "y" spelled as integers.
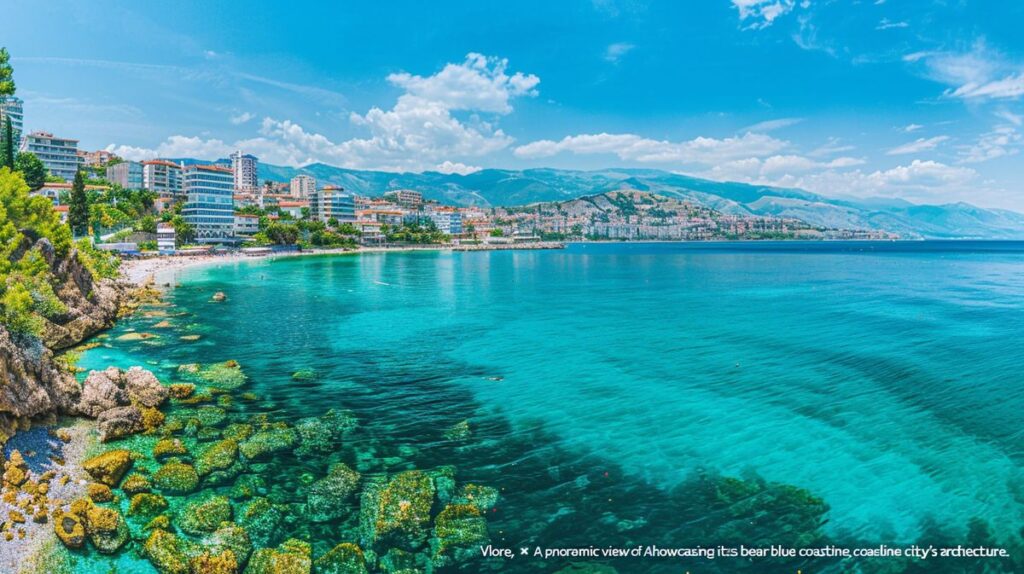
{"x": 98, "y": 492}
{"x": 482, "y": 497}
{"x": 219, "y": 456}
{"x": 100, "y": 392}
{"x": 69, "y": 529}
{"x": 109, "y": 467}
{"x": 261, "y": 520}
{"x": 268, "y": 442}
{"x": 169, "y": 447}
{"x": 230, "y": 537}
{"x": 176, "y": 477}
{"x": 147, "y": 504}
{"x": 119, "y": 422}
{"x": 345, "y": 558}
{"x": 143, "y": 387}
{"x": 215, "y": 563}
{"x": 329, "y": 498}
{"x": 291, "y": 557}
{"x": 181, "y": 390}
{"x": 399, "y": 511}
{"x": 106, "y": 529}
{"x": 168, "y": 553}
{"x": 206, "y": 515}
{"x": 459, "y": 532}
{"x": 135, "y": 484}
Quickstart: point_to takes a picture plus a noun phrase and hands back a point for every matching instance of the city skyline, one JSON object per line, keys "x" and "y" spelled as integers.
{"x": 860, "y": 99}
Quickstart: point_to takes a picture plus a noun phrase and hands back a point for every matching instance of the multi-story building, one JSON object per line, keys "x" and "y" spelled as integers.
{"x": 245, "y": 169}
{"x": 332, "y": 202}
{"x": 302, "y": 186}
{"x": 292, "y": 208}
{"x": 209, "y": 207}
{"x": 165, "y": 238}
{"x": 405, "y": 198}
{"x": 447, "y": 220}
{"x": 12, "y": 107}
{"x": 98, "y": 158}
{"x": 246, "y": 225}
{"x": 59, "y": 155}
{"x": 163, "y": 178}
{"x": 127, "y": 174}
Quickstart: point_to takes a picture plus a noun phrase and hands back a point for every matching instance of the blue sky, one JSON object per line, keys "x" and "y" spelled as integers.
{"x": 878, "y": 98}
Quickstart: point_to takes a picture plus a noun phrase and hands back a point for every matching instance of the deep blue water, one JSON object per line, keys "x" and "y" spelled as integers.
{"x": 884, "y": 378}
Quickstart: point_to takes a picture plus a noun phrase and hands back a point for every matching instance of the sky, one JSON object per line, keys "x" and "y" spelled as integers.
{"x": 918, "y": 100}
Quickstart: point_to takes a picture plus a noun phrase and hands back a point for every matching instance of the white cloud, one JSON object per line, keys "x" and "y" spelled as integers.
{"x": 772, "y": 125}
{"x": 456, "y": 167}
{"x": 917, "y": 146}
{"x": 912, "y": 127}
{"x": 1002, "y": 141}
{"x": 762, "y": 13}
{"x": 833, "y": 146}
{"x": 978, "y": 74}
{"x": 421, "y": 131}
{"x": 631, "y": 147}
{"x": 239, "y": 119}
{"x": 1007, "y": 115}
{"x": 887, "y": 24}
{"x": 616, "y": 51}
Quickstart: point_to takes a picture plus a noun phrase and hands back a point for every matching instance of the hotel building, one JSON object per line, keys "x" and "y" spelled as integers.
{"x": 302, "y": 187}
{"x": 332, "y": 202}
{"x": 209, "y": 207}
{"x": 59, "y": 155}
{"x": 245, "y": 169}
{"x": 163, "y": 178}
{"x": 127, "y": 174}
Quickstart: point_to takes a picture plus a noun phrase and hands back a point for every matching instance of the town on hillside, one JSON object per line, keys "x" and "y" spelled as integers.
{"x": 171, "y": 206}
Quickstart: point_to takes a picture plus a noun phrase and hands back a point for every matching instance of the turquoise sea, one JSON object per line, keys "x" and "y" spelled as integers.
{"x": 610, "y": 388}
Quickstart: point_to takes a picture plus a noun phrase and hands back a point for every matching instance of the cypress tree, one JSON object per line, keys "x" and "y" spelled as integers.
{"x": 78, "y": 207}
{"x": 8, "y": 159}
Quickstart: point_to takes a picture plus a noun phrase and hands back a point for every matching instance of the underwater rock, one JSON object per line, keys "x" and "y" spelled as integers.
{"x": 267, "y": 442}
{"x": 135, "y": 484}
{"x": 261, "y": 519}
{"x": 459, "y": 431}
{"x": 218, "y": 456}
{"x": 223, "y": 477}
{"x": 398, "y": 561}
{"x": 106, "y": 529}
{"x": 69, "y": 529}
{"x": 119, "y": 422}
{"x": 147, "y": 504}
{"x": 211, "y": 416}
{"x": 400, "y": 511}
{"x": 109, "y": 467}
{"x": 291, "y": 557}
{"x": 482, "y": 497}
{"x": 169, "y": 447}
{"x": 328, "y": 498}
{"x": 238, "y": 431}
{"x": 345, "y": 558}
{"x": 304, "y": 375}
{"x": 248, "y": 486}
{"x": 144, "y": 388}
{"x": 176, "y": 477}
{"x": 152, "y": 418}
{"x": 230, "y": 537}
{"x": 205, "y": 516}
{"x": 100, "y": 392}
{"x": 315, "y": 436}
{"x": 181, "y": 390}
{"x": 218, "y": 296}
{"x": 98, "y": 492}
{"x": 210, "y": 563}
{"x": 227, "y": 375}
{"x": 168, "y": 553}
{"x": 459, "y": 531}
{"x": 15, "y": 470}
{"x": 444, "y": 483}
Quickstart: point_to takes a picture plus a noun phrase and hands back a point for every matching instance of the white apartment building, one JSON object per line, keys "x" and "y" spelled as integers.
{"x": 163, "y": 178}
{"x": 59, "y": 155}
{"x": 245, "y": 169}
{"x": 303, "y": 187}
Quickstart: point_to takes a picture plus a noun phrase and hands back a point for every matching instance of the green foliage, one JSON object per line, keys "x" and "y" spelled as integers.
{"x": 184, "y": 233}
{"x": 7, "y": 86}
{"x": 78, "y": 207}
{"x": 101, "y": 264}
{"x": 32, "y": 169}
{"x": 7, "y": 159}
{"x": 148, "y": 246}
{"x": 421, "y": 233}
{"x": 146, "y": 225}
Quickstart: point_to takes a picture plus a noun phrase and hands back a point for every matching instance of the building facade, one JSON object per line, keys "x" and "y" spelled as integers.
{"x": 302, "y": 186}
{"x": 246, "y": 225}
{"x": 405, "y": 198}
{"x": 12, "y": 107}
{"x": 447, "y": 221}
{"x": 245, "y": 169}
{"x": 209, "y": 207}
{"x": 332, "y": 202}
{"x": 165, "y": 238}
{"x": 98, "y": 158}
{"x": 127, "y": 174}
{"x": 163, "y": 178}
{"x": 59, "y": 155}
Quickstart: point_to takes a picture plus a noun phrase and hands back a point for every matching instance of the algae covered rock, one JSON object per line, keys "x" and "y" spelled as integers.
{"x": 181, "y": 390}
{"x": 120, "y": 422}
{"x": 291, "y": 557}
{"x": 482, "y": 497}
{"x": 168, "y": 553}
{"x": 345, "y": 558}
{"x": 99, "y": 492}
{"x": 205, "y": 515}
{"x": 215, "y": 563}
{"x": 459, "y": 531}
{"x": 459, "y": 431}
{"x": 328, "y": 498}
{"x": 109, "y": 467}
{"x": 227, "y": 375}
{"x": 219, "y": 456}
{"x": 136, "y": 483}
{"x": 398, "y": 512}
{"x": 261, "y": 520}
{"x": 176, "y": 477}
{"x": 15, "y": 470}
{"x": 230, "y": 537}
{"x": 69, "y": 529}
{"x": 248, "y": 486}
{"x": 268, "y": 442}
{"x": 147, "y": 504}
{"x": 169, "y": 447}
{"x": 106, "y": 529}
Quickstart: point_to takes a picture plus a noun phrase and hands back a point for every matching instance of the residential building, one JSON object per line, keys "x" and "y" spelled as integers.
{"x": 59, "y": 155}
{"x": 163, "y": 178}
{"x": 333, "y": 202}
{"x": 292, "y": 208}
{"x": 405, "y": 198}
{"x": 54, "y": 191}
{"x": 209, "y": 207}
{"x": 12, "y": 107}
{"x": 127, "y": 174}
{"x": 165, "y": 238}
{"x": 99, "y": 158}
{"x": 447, "y": 220}
{"x": 245, "y": 169}
{"x": 246, "y": 225}
{"x": 388, "y": 216}
{"x": 302, "y": 186}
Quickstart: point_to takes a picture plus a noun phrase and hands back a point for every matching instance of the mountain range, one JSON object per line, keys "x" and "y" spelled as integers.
{"x": 499, "y": 187}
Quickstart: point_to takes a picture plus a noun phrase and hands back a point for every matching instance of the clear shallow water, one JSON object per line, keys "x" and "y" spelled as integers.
{"x": 884, "y": 378}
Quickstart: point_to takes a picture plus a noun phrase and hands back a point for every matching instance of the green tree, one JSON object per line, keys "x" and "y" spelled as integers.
{"x": 78, "y": 207}
{"x": 184, "y": 233}
{"x": 31, "y": 169}
{"x": 6, "y": 74}
{"x": 7, "y": 157}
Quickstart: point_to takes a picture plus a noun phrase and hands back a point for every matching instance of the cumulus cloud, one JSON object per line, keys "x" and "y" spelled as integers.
{"x": 917, "y": 146}
{"x": 762, "y": 13}
{"x": 456, "y": 167}
{"x": 1002, "y": 141}
{"x": 437, "y": 120}
{"x": 631, "y": 147}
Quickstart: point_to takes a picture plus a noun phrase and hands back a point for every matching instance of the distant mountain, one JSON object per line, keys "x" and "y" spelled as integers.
{"x": 497, "y": 187}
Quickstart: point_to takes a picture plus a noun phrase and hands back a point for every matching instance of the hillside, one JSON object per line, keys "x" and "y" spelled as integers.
{"x": 495, "y": 187}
